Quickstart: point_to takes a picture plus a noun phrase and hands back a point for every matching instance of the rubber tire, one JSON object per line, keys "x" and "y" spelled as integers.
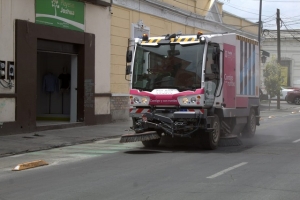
{"x": 289, "y": 102}
{"x": 297, "y": 100}
{"x": 210, "y": 140}
{"x": 250, "y": 128}
{"x": 151, "y": 143}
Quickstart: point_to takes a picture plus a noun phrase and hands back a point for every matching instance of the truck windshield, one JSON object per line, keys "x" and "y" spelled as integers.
{"x": 168, "y": 66}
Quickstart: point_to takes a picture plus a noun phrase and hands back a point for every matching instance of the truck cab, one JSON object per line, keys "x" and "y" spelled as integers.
{"x": 186, "y": 86}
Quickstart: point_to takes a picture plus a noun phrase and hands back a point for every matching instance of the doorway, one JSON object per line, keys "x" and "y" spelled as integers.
{"x": 32, "y": 38}
{"x": 56, "y": 88}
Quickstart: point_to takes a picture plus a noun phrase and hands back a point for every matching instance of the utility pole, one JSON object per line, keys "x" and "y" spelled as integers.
{"x": 259, "y": 36}
{"x": 278, "y": 51}
{"x": 259, "y": 24}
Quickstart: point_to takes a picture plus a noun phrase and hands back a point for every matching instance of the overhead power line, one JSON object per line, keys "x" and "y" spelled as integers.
{"x": 290, "y": 17}
{"x": 216, "y": 12}
{"x": 290, "y": 31}
{"x": 244, "y": 10}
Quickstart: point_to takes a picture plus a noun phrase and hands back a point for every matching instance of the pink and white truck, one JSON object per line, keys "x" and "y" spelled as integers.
{"x": 202, "y": 85}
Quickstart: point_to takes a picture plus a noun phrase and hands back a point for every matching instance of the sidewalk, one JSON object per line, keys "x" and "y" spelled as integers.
{"x": 284, "y": 107}
{"x": 29, "y": 142}
{"x": 270, "y": 111}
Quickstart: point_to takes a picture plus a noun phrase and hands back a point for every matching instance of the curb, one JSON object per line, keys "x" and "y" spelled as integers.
{"x": 278, "y": 110}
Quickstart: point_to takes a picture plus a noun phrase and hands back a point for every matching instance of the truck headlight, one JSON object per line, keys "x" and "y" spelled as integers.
{"x": 189, "y": 100}
{"x": 136, "y": 100}
{"x": 185, "y": 100}
{"x": 144, "y": 100}
{"x": 139, "y": 100}
{"x": 193, "y": 100}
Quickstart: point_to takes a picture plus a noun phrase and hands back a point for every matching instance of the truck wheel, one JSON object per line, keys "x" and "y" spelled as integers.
{"x": 211, "y": 139}
{"x": 151, "y": 143}
{"x": 250, "y": 128}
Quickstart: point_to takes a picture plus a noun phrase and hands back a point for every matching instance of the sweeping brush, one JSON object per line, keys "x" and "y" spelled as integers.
{"x": 229, "y": 141}
{"x": 135, "y": 137}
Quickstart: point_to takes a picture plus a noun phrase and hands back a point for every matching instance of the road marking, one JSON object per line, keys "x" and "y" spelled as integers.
{"x": 296, "y": 141}
{"x": 227, "y": 170}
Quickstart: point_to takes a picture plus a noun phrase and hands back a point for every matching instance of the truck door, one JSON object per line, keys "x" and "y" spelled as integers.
{"x": 211, "y": 74}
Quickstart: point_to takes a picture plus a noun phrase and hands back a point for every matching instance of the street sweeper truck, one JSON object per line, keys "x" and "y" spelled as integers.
{"x": 202, "y": 86}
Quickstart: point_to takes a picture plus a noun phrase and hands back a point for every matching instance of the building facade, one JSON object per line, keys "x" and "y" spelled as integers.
{"x": 290, "y": 55}
{"x": 54, "y": 67}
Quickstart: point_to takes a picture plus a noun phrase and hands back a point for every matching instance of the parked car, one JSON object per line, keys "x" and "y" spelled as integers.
{"x": 293, "y": 97}
{"x": 284, "y": 91}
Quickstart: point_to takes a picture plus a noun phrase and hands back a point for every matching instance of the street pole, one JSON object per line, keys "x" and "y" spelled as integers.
{"x": 278, "y": 51}
{"x": 259, "y": 33}
{"x": 259, "y": 24}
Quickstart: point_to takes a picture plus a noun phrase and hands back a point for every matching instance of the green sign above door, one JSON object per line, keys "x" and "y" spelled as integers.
{"x": 68, "y": 14}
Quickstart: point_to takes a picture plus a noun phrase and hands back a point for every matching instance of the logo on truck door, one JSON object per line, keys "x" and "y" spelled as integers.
{"x": 229, "y": 80}
{"x": 228, "y": 54}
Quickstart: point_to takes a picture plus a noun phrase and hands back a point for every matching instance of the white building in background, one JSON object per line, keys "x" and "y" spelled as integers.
{"x": 290, "y": 54}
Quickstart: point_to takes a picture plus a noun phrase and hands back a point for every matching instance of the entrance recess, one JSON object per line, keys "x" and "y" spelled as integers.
{"x": 56, "y": 88}
{"x": 30, "y": 39}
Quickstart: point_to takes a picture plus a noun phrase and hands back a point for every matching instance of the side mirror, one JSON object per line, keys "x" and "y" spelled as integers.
{"x": 129, "y": 56}
{"x": 128, "y": 69}
{"x": 215, "y": 68}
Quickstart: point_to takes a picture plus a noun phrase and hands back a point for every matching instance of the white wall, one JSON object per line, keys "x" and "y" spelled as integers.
{"x": 7, "y": 109}
{"x": 97, "y": 21}
{"x": 102, "y": 105}
{"x": 9, "y": 11}
{"x": 289, "y": 51}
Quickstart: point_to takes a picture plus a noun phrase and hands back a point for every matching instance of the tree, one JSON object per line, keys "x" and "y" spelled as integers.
{"x": 273, "y": 79}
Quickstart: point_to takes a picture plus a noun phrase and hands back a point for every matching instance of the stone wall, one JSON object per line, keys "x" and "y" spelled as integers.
{"x": 119, "y": 107}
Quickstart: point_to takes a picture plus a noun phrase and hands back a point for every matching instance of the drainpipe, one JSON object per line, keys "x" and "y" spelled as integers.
{"x": 110, "y": 10}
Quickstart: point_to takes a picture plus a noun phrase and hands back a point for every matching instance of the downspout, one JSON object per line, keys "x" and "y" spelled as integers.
{"x": 110, "y": 10}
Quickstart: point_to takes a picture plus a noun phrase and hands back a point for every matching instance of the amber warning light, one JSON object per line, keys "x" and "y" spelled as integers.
{"x": 145, "y": 37}
{"x": 199, "y": 34}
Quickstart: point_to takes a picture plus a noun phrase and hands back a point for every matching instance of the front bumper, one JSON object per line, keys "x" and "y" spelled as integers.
{"x": 182, "y": 114}
{"x": 181, "y": 124}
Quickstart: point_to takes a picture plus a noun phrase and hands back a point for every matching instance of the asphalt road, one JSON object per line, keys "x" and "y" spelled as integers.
{"x": 264, "y": 167}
